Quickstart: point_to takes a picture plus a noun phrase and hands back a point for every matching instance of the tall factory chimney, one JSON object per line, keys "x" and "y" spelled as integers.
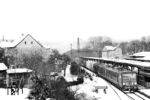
{"x": 78, "y": 45}
{"x": 71, "y": 50}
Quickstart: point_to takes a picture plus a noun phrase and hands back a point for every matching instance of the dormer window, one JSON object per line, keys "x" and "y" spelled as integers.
{"x": 25, "y": 42}
{"x": 31, "y": 42}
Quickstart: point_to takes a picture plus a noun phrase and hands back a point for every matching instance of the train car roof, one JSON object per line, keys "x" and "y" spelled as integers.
{"x": 142, "y": 65}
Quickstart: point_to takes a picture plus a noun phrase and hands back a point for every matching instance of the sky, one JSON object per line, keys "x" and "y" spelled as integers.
{"x": 60, "y": 22}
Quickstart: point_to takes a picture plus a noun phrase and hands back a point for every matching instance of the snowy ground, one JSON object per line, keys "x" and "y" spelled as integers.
{"x": 146, "y": 91}
{"x": 4, "y": 96}
{"x": 88, "y": 88}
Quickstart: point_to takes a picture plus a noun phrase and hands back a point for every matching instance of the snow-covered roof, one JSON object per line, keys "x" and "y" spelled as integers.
{"x": 3, "y": 66}
{"x": 145, "y": 58}
{"x": 7, "y": 44}
{"x": 109, "y": 48}
{"x": 19, "y": 70}
{"x": 123, "y": 61}
{"x": 144, "y": 54}
{"x": 46, "y": 46}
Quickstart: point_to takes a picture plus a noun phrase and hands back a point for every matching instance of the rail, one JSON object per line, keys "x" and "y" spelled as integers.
{"x": 110, "y": 83}
{"x": 144, "y": 94}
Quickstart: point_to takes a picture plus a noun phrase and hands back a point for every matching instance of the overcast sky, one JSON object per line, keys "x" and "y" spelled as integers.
{"x": 64, "y": 20}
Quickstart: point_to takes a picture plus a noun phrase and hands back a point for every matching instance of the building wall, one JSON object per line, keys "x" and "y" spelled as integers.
{"x": 27, "y": 46}
{"x": 104, "y": 54}
{"x": 28, "y": 43}
{"x": 116, "y": 53}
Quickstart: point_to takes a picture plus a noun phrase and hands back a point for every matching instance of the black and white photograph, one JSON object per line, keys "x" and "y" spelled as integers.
{"x": 74, "y": 49}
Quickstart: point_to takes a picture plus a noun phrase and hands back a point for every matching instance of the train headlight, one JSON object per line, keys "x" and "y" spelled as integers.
{"x": 124, "y": 83}
{"x": 135, "y": 83}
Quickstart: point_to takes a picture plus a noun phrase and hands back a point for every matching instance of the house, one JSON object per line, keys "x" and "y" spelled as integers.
{"x": 111, "y": 52}
{"x": 26, "y": 44}
{"x": 3, "y": 69}
{"x": 18, "y": 75}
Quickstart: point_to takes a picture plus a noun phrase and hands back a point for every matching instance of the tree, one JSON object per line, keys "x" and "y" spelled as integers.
{"x": 33, "y": 61}
{"x": 74, "y": 68}
{"x": 43, "y": 88}
{"x": 59, "y": 60}
{"x": 124, "y": 46}
{"x": 53, "y": 58}
{"x": 66, "y": 61}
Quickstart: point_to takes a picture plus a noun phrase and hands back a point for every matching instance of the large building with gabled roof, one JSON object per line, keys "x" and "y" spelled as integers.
{"x": 25, "y": 44}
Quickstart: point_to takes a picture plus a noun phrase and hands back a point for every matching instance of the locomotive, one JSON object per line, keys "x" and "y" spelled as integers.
{"x": 122, "y": 78}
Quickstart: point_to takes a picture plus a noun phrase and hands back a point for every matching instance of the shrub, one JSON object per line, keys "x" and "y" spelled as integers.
{"x": 74, "y": 68}
{"x": 45, "y": 88}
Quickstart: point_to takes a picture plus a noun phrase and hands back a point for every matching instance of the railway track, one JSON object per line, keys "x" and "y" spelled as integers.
{"x": 142, "y": 93}
{"x": 132, "y": 96}
{"x": 136, "y": 96}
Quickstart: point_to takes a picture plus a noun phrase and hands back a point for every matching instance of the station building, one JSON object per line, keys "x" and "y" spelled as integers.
{"x": 111, "y": 52}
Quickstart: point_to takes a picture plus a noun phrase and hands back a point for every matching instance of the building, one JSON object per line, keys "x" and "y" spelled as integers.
{"x": 3, "y": 69}
{"x": 17, "y": 75}
{"x": 26, "y": 44}
{"x": 140, "y": 56}
{"x": 111, "y": 52}
{"x": 83, "y": 53}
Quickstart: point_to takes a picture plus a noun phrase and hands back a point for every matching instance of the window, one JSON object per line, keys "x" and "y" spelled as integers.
{"x": 25, "y": 42}
{"x": 31, "y": 42}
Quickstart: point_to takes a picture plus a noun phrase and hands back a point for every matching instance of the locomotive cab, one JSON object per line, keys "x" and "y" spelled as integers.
{"x": 129, "y": 81}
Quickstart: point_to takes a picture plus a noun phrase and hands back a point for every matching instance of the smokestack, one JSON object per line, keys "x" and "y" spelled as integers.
{"x": 78, "y": 45}
{"x": 71, "y": 49}
{"x": 3, "y": 39}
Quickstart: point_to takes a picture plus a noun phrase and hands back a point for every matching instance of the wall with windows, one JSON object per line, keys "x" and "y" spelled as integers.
{"x": 116, "y": 53}
{"x": 29, "y": 43}
{"x": 28, "y": 46}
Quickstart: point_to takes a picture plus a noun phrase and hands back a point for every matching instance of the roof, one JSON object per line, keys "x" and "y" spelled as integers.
{"x": 140, "y": 56}
{"x": 6, "y": 44}
{"x": 19, "y": 70}
{"x": 109, "y": 48}
{"x": 3, "y": 66}
{"x": 123, "y": 61}
{"x": 9, "y": 44}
